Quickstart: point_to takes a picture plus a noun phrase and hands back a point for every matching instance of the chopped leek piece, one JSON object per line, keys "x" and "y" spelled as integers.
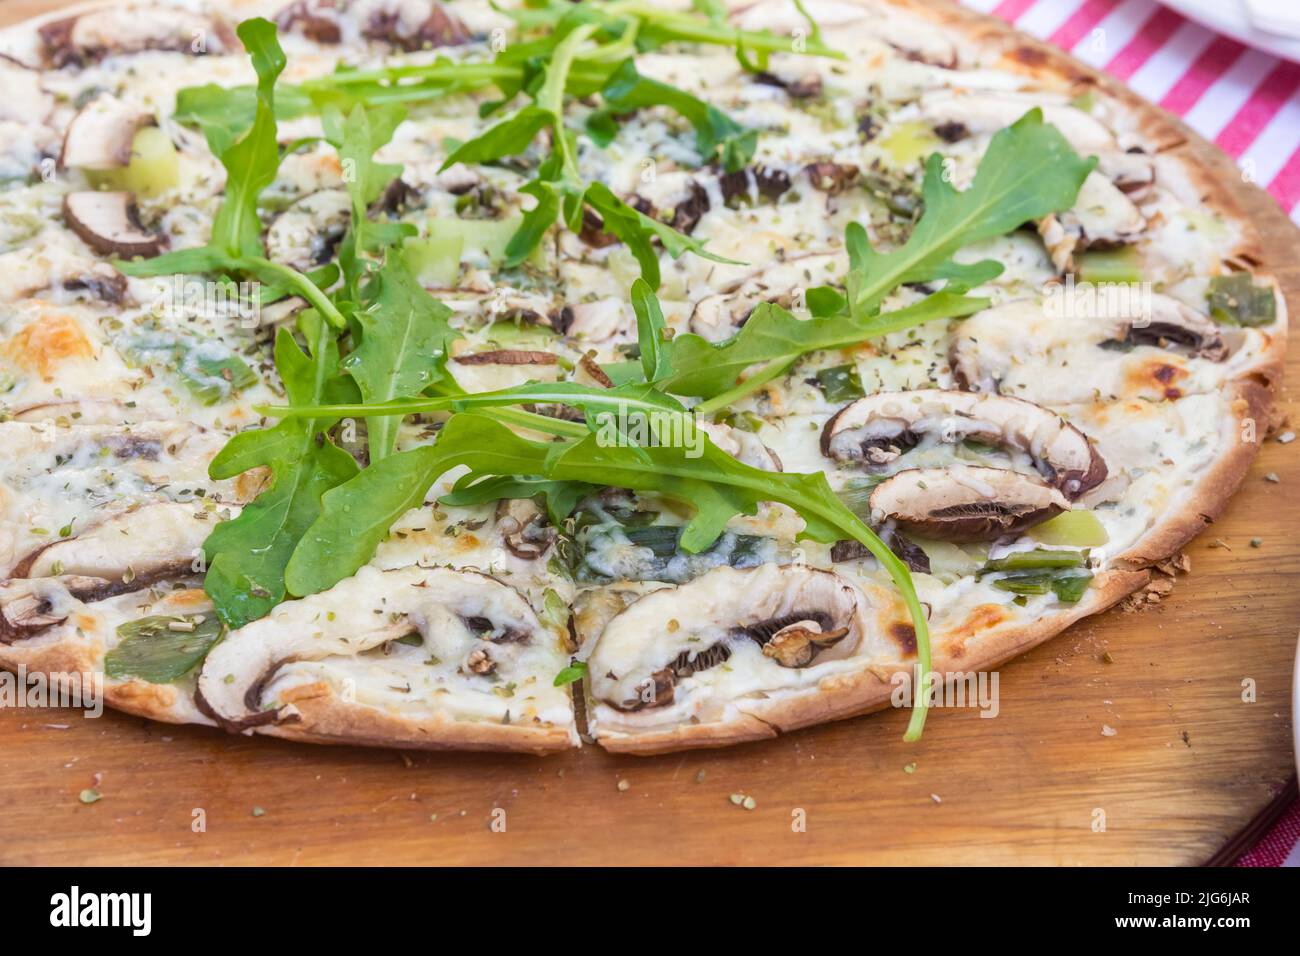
{"x": 153, "y": 170}
{"x": 1067, "y": 584}
{"x": 840, "y": 383}
{"x": 1074, "y": 529}
{"x": 1036, "y": 560}
{"x": 1111, "y": 265}
{"x": 1236, "y": 300}
{"x": 910, "y": 143}
{"x": 435, "y": 261}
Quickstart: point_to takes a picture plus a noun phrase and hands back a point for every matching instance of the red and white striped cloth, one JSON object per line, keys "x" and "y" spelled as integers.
{"x": 1245, "y": 101}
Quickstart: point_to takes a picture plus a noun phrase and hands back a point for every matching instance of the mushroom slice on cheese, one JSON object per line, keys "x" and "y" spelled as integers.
{"x": 125, "y": 553}
{"x": 305, "y": 234}
{"x": 109, "y": 224}
{"x": 113, "y": 30}
{"x": 964, "y": 503}
{"x": 101, "y": 134}
{"x": 410, "y": 25}
{"x": 438, "y": 657}
{"x": 876, "y": 430}
{"x": 993, "y": 346}
{"x": 763, "y": 620}
{"x": 1102, "y": 217}
{"x": 984, "y": 113}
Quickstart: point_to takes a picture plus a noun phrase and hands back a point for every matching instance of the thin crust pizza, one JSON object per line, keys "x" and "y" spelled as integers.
{"x": 448, "y": 375}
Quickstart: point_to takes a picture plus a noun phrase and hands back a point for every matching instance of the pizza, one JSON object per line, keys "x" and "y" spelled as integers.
{"x": 454, "y": 375}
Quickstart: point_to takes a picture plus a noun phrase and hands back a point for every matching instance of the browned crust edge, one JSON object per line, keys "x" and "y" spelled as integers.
{"x": 327, "y": 720}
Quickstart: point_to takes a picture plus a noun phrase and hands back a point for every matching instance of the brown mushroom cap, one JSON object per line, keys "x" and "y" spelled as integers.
{"x": 100, "y": 136}
{"x": 485, "y": 625}
{"x": 647, "y": 649}
{"x": 109, "y": 224}
{"x": 986, "y": 347}
{"x": 964, "y": 503}
{"x": 507, "y": 357}
{"x": 524, "y": 529}
{"x": 106, "y": 31}
{"x": 878, "y": 428}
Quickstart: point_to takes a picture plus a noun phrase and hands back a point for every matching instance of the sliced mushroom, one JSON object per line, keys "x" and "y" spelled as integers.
{"x": 125, "y": 553}
{"x": 108, "y": 31}
{"x": 463, "y": 618}
{"x": 670, "y": 635}
{"x": 101, "y": 281}
{"x": 754, "y": 183}
{"x": 964, "y": 503}
{"x": 317, "y": 20}
{"x": 597, "y": 321}
{"x": 101, "y": 134}
{"x": 503, "y": 368}
{"x": 1102, "y": 217}
{"x": 877, "y": 429}
{"x": 304, "y": 235}
{"x": 805, "y": 87}
{"x": 993, "y": 345}
{"x": 109, "y": 224}
{"x": 30, "y": 607}
{"x": 411, "y": 24}
{"x": 831, "y": 178}
{"x": 524, "y": 529}
{"x": 984, "y": 113}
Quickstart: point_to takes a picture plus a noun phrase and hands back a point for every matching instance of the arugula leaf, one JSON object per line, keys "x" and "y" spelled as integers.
{"x": 775, "y": 339}
{"x": 657, "y": 25}
{"x": 356, "y": 139}
{"x": 568, "y": 675}
{"x": 561, "y": 496}
{"x": 637, "y": 231}
{"x": 224, "y": 114}
{"x": 248, "y": 554}
{"x": 1028, "y": 171}
{"x": 506, "y": 138}
{"x": 252, "y": 162}
{"x": 558, "y": 188}
{"x": 651, "y": 332}
{"x": 717, "y": 136}
{"x": 403, "y": 350}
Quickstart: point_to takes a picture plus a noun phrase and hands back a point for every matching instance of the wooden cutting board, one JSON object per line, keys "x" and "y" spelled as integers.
{"x": 1189, "y": 767}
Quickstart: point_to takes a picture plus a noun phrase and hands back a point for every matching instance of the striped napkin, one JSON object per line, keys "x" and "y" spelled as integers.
{"x": 1245, "y": 101}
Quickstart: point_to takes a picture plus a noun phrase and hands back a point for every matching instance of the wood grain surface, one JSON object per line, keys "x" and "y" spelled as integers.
{"x": 1189, "y": 766}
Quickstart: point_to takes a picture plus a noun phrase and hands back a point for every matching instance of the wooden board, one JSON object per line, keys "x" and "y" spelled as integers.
{"x": 1189, "y": 767}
